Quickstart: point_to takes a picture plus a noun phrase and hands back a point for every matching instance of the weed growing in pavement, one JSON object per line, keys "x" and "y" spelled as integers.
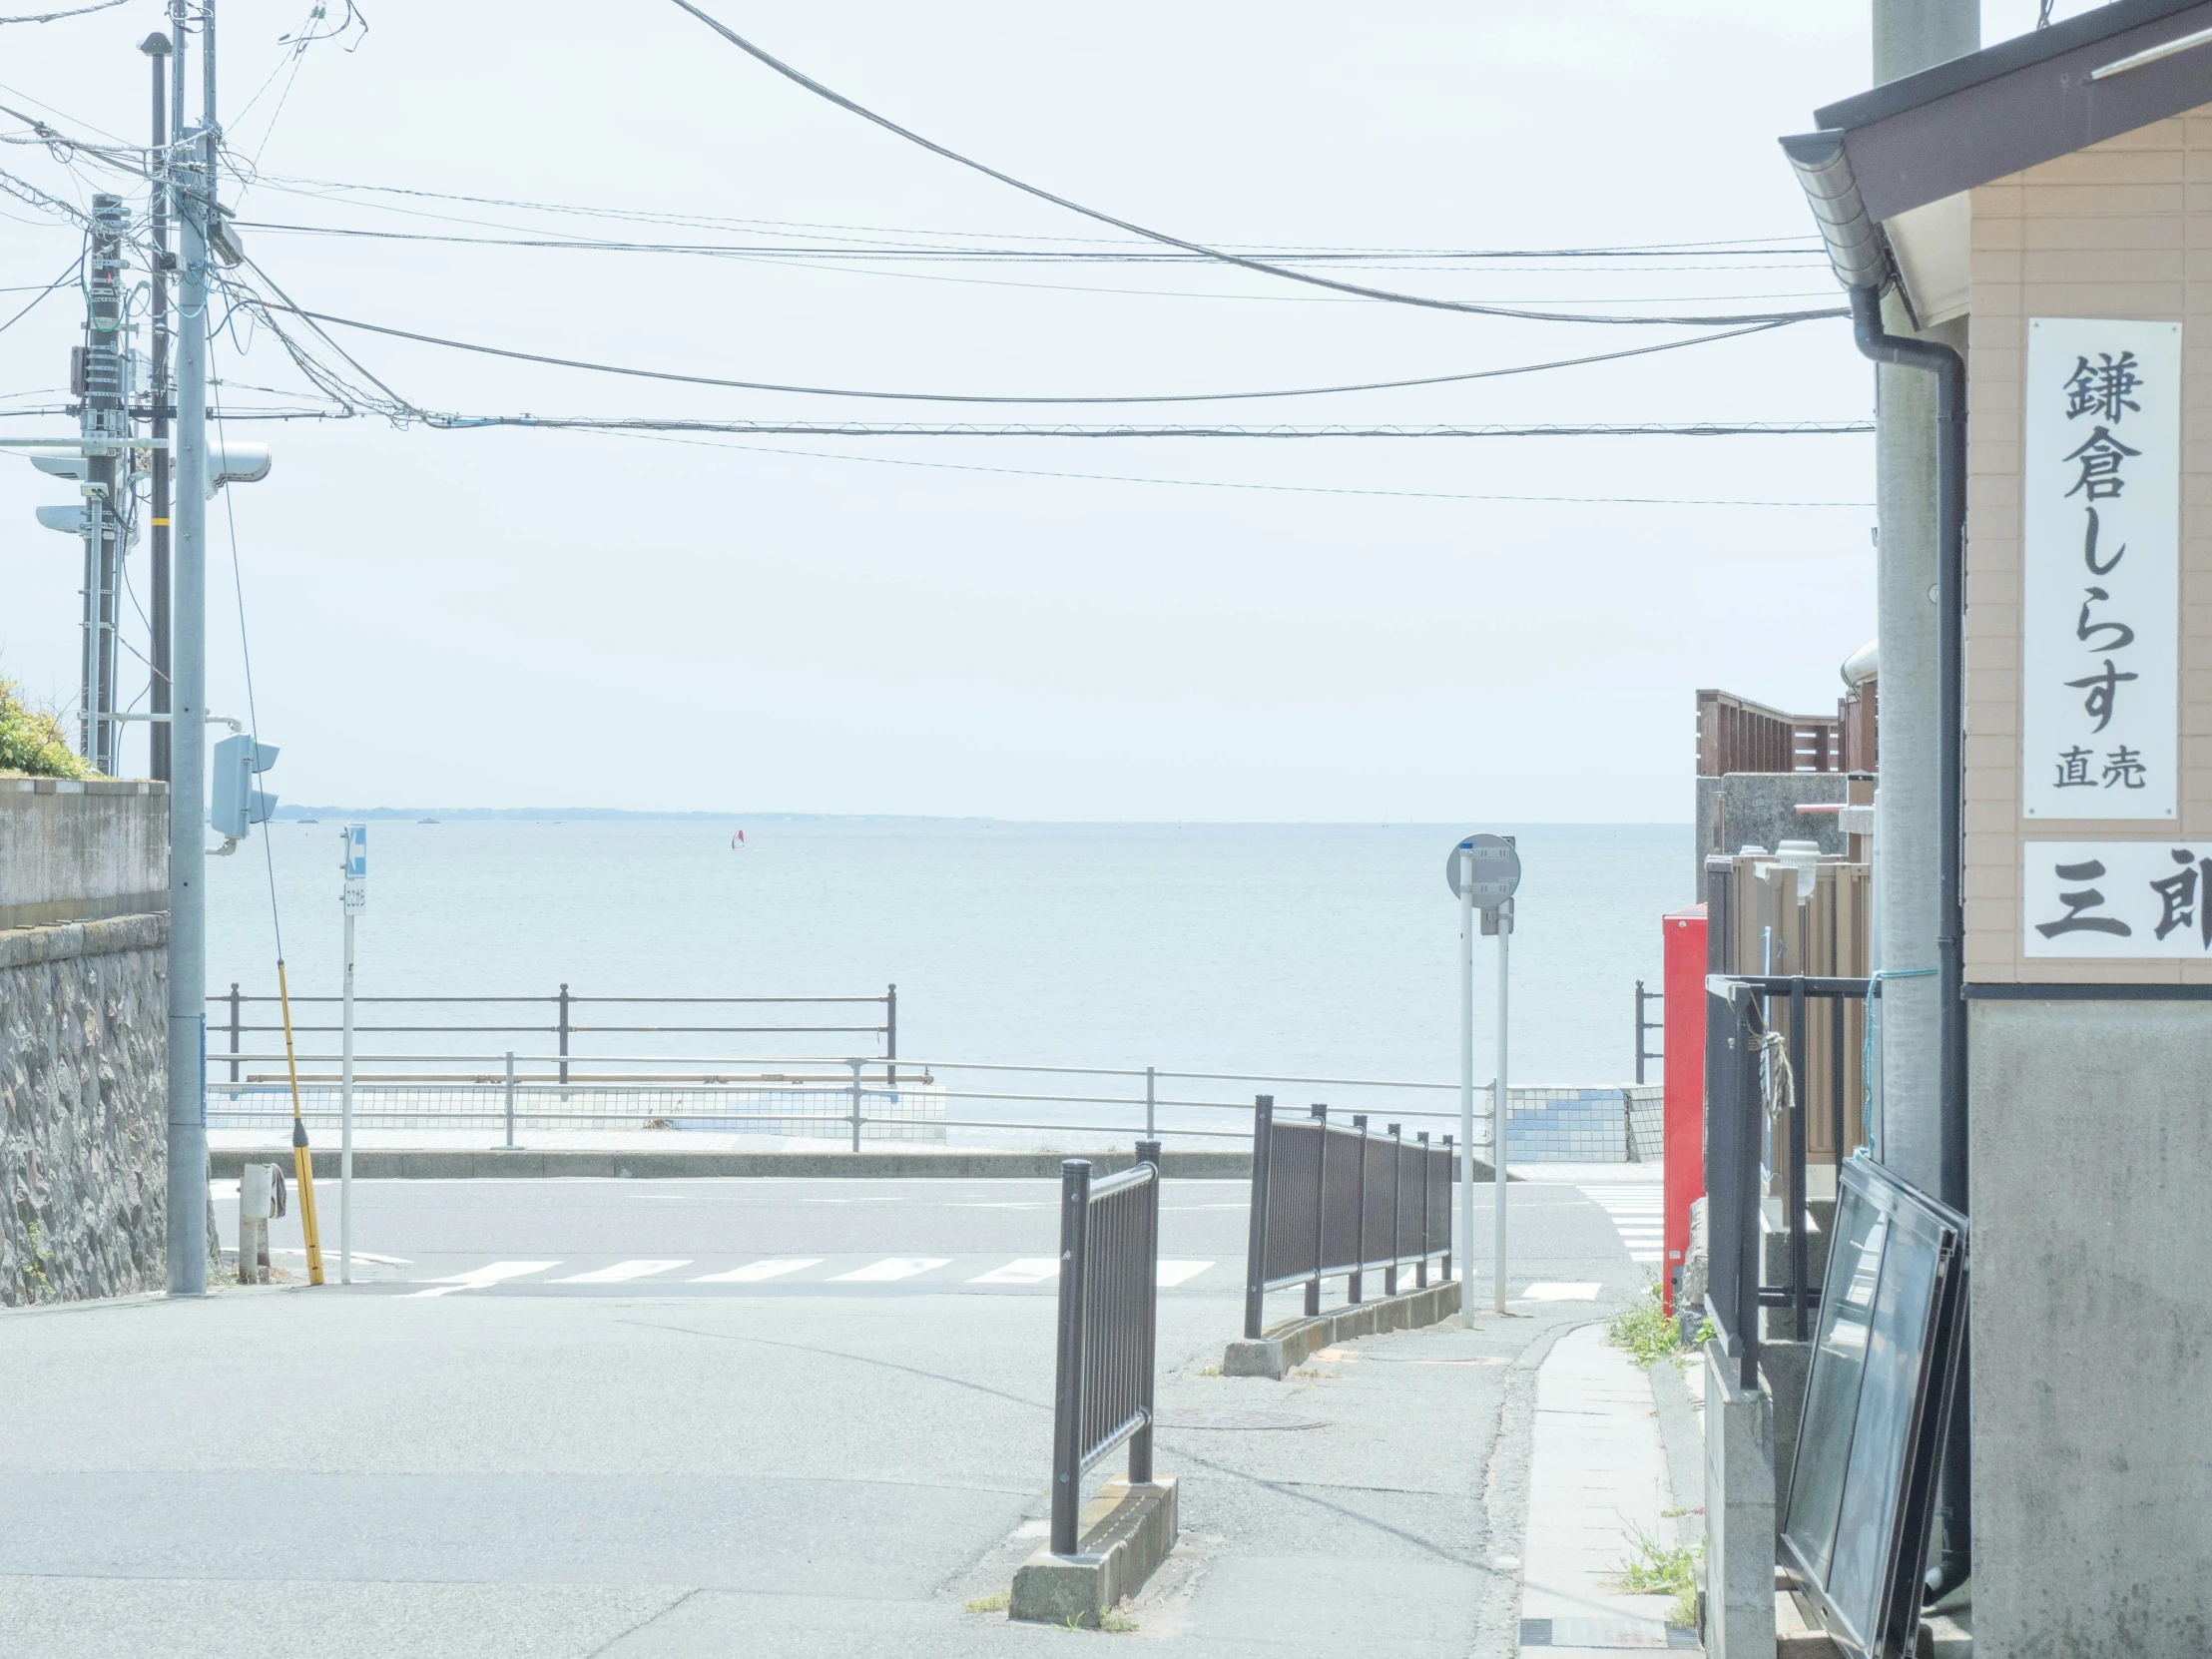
{"x": 991, "y": 1604}
{"x": 1115, "y": 1622}
{"x": 1657, "y": 1569}
{"x": 1648, "y": 1332}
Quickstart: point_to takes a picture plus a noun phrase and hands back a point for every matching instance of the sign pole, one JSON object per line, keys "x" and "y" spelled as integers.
{"x": 1500, "y": 1103}
{"x": 1482, "y": 872}
{"x": 355, "y": 898}
{"x": 1466, "y": 1080}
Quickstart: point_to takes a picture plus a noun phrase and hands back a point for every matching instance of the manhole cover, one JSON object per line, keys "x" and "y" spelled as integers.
{"x": 1232, "y": 1420}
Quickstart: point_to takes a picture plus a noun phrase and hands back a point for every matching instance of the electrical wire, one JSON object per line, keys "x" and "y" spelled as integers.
{"x": 68, "y": 270}
{"x": 1749, "y": 247}
{"x": 1233, "y": 484}
{"x": 55, "y": 17}
{"x": 993, "y": 397}
{"x": 1262, "y": 267}
{"x": 854, "y": 430}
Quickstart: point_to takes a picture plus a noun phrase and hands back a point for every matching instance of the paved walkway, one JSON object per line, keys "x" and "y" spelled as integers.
{"x": 1597, "y": 1477}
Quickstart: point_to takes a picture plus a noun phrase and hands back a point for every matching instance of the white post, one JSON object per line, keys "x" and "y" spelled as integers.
{"x": 1466, "y": 1081}
{"x": 1500, "y": 1105}
{"x": 346, "y": 1114}
{"x": 354, "y": 895}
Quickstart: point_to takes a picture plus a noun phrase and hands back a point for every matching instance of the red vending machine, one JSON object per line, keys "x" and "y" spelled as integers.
{"x": 1683, "y": 1043}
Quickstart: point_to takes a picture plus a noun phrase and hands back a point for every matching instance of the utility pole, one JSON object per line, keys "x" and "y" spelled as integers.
{"x": 192, "y": 179}
{"x": 156, "y": 46}
{"x": 1909, "y": 36}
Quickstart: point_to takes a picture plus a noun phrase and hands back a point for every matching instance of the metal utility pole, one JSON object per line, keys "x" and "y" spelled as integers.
{"x": 1501, "y": 1108}
{"x": 156, "y": 46}
{"x": 1909, "y": 36}
{"x": 191, "y": 179}
{"x": 1466, "y": 1080}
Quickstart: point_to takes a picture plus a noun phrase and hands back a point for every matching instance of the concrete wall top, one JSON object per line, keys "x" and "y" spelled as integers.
{"x": 82, "y": 850}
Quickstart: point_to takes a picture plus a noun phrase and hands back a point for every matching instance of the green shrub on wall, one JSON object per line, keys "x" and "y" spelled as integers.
{"x": 31, "y": 741}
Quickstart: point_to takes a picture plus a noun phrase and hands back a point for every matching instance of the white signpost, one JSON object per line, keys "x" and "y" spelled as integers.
{"x": 356, "y": 899}
{"x": 2101, "y": 586}
{"x": 1482, "y": 872}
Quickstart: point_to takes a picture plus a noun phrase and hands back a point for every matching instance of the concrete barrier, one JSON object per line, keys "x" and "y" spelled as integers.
{"x": 1127, "y": 1531}
{"x": 1284, "y": 1349}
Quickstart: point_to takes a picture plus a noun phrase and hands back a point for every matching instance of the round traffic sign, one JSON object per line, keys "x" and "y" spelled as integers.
{"x": 1496, "y": 868}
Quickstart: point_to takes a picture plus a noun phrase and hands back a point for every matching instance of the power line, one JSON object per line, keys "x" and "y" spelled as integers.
{"x": 981, "y": 398}
{"x": 856, "y": 429}
{"x": 1748, "y": 246}
{"x": 55, "y": 17}
{"x": 1233, "y": 484}
{"x": 1265, "y": 268}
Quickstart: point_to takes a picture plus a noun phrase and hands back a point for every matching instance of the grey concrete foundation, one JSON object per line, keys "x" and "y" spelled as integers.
{"x": 1126, "y": 1532}
{"x": 1739, "y": 1515}
{"x": 2091, "y": 1317}
{"x": 1284, "y": 1347}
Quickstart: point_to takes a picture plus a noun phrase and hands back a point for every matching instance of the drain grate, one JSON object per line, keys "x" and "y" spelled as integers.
{"x": 1226, "y": 1418}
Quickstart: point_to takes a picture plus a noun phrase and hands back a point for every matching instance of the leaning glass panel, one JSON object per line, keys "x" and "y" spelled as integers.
{"x": 1831, "y": 1393}
{"x": 1896, "y": 1352}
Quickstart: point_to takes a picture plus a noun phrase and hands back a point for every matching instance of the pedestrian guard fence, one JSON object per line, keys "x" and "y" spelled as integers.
{"x": 1102, "y": 1391}
{"x": 1330, "y": 1201}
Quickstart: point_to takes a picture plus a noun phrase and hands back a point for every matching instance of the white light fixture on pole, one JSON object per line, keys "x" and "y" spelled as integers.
{"x": 356, "y": 899}
{"x": 1482, "y": 871}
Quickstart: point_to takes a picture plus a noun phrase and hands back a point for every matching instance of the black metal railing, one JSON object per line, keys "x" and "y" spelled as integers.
{"x": 1644, "y": 1028}
{"x": 1746, "y": 1141}
{"x": 1109, "y": 1302}
{"x": 565, "y": 1016}
{"x": 1330, "y": 1202}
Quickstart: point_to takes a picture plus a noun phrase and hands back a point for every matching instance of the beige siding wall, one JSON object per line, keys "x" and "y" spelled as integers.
{"x": 2120, "y": 230}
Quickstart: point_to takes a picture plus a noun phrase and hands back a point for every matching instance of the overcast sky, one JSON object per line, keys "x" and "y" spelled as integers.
{"x": 865, "y": 625}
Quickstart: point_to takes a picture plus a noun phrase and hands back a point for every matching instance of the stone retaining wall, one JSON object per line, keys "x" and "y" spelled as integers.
{"x": 84, "y": 1019}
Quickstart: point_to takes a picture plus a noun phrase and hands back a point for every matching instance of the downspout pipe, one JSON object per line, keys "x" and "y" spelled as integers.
{"x": 1949, "y": 369}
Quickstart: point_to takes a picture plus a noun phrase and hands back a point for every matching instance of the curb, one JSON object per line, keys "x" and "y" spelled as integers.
{"x": 1285, "y": 1347}
{"x": 399, "y": 1165}
{"x": 1126, "y": 1532}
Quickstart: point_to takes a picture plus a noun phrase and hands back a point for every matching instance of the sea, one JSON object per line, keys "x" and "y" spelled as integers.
{"x": 1322, "y": 949}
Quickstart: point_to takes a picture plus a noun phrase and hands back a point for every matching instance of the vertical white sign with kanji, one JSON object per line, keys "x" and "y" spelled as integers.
{"x": 2100, "y": 601}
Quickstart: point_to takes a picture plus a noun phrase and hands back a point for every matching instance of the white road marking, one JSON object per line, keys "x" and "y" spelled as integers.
{"x": 358, "y": 1255}
{"x": 754, "y": 1272}
{"x": 622, "y": 1271}
{"x": 475, "y": 1278}
{"x": 1554, "y": 1290}
{"x": 1173, "y": 1272}
{"x": 1023, "y": 1270}
{"x": 1638, "y": 1216}
{"x": 891, "y": 1266}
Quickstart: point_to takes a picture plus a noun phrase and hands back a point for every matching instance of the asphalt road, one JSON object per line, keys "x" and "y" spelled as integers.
{"x": 654, "y": 1467}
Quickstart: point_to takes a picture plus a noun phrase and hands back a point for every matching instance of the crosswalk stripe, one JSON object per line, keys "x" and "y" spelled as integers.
{"x": 1554, "y": 1290}
{"x": 490, "y": 1274}
{"x": 1023, "y": 1270}
{"x": 892, "y": 1267}
{"x": 622, "y": 1271}
{"x": 1173, "y": 1272}
{"x": 754, "y": 1272}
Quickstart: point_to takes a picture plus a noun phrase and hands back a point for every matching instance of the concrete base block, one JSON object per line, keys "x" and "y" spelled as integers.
{"x": 1738, "y": 1513}
{"x": 1126, "y": 1534}
{"x": 1782, "y": 1368}
{"x": 1284, "y": 1349}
